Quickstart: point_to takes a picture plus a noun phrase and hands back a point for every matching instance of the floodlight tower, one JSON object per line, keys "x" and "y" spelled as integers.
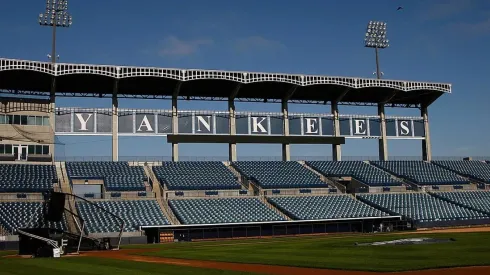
{"x": 56, "y": 15}
{"x": 376, "y": 38}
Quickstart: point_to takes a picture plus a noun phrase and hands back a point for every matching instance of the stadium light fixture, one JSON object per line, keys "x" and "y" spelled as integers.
{"x": 55, "y": 16}
{"x": 376, "y": 38}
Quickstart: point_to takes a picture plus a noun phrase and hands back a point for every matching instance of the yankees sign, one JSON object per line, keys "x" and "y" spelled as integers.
{"x": 72, "y": 121}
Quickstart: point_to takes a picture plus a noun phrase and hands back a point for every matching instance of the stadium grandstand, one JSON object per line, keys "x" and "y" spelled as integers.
{"x": 163, "y": 201}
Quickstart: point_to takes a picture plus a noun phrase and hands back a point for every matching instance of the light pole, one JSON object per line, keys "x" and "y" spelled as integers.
{"x": 376, "y": 38}
{"x": 56, "y": 15}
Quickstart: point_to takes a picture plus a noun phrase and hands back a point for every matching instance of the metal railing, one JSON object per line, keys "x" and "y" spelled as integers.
{"x": 123, "y": 195}
{"x": 254, "y": 158}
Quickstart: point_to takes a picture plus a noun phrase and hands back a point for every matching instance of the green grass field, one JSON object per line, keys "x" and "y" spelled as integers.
{"x": 469, "y": 249}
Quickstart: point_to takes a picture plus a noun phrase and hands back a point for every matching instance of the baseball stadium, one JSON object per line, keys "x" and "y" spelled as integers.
{"x": 235, "y": 215}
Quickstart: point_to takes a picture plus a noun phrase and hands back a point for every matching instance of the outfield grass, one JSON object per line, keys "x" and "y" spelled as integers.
{"x": 469, "y": 249}
{"x": 96, "y": 266}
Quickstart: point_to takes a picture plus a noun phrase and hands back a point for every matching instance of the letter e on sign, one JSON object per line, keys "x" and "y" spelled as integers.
{"x": 311, "y": 126}
{"x": 360, "y": 127}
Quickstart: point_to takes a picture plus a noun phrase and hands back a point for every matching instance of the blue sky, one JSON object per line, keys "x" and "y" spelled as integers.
{"x": 437, "y": 40}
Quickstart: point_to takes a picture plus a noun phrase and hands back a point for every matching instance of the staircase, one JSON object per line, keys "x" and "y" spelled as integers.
{"x": 63, "y": 177}
{"x": 268, "y": 204}
{"x": 245, "y": 185}
{"x": 167, "y": 211}
{"x": 157, "y": 187}
{"x": 323, "y": 178}
{"x": 70, "y": 201}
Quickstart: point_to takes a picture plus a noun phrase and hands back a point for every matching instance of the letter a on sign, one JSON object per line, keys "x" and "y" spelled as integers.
{"x": 83, "y": 122}
{"x": 206, "y": 124}
{"x": 257, "y": 125}
{"x": 145, "y": 123}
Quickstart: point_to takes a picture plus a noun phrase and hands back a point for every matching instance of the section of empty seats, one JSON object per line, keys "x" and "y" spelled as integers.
{"x": 196, "y": 175}
{"x": 358, "y": 170}
{"x": 135, "y": 213}
{"x": 27, "y": 178}
{"x": 324, "y": 207}
{"x": 15, "y": 215}
{"x": 470, "y": 168}
{"x": 279, "y": 174}
{"x": 421, "y": 172}
{"x": 225, "y": 210}
{"x": 117, "y": 176}
{"x": 421, "y": 207}
{"x": 479, "y": 200}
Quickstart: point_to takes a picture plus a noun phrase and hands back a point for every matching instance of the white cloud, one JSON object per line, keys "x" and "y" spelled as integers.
{"x": 257, "y": 43}
{"x": 478, "y": 28}
{"x": 443, "y": 9}
{"x": 174, "y": 46}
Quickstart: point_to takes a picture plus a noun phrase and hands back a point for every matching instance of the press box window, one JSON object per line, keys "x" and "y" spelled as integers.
{"x": 31, "y": 149}
{"x": 16, "y": 120}
{"x": 45, "y": 150}
{"x": 31, "y": 120}
{"x": 23, "y": 120}
{"x": 8, "y": 149}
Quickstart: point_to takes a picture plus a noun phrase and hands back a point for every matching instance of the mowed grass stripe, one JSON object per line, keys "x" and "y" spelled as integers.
{"x": 470, "y": 249}
{"x": 97, "y": 266}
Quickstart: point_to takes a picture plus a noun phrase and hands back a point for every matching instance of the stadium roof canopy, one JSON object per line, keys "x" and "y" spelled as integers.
{"x": 23, "y": 77}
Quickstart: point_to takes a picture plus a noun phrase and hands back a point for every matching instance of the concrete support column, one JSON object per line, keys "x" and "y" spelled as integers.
{"x": 286, "y": 147}
{"x": 115, "y": 123}
{"x": 232, "y": 155}
{"x": 175, "y": 129}
{"x": 383, "y": 142}
{"x": 426, "y": 147}
{"x": 52, "y": 116}
{"x": 336, "y": 149}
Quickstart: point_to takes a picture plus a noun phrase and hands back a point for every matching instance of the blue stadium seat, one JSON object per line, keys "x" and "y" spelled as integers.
{"x": 196, "y": 175}
{"x": 479, "y": 200}
{"x": 279, "y": 174}
{"x": 421, "y": 207}
{"x": 117, "y": 176}
{"x": 135, "y": 213}
{"x": 421, "y": 172}
{"x": 222, "y": 210}
{"x": 14, "y": 215}
{"x": 324, "y": 207}
{"x": 358, "y": 170}
{"x": 25, "y": 178}
{"x": 469, "y": 168}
